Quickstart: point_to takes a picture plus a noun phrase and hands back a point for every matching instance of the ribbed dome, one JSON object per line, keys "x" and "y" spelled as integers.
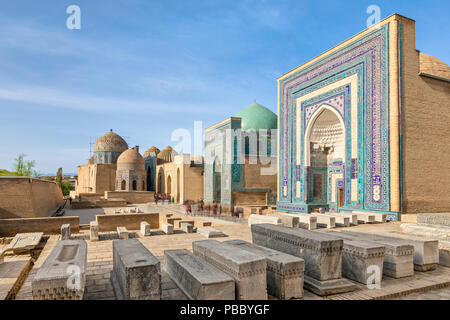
{"x": 152, "y": 151}
{"x": 110, "y": 142}
{"x": 256, "y": 117}
{"x": 433, "y": 66}
{"x": 167, "y": 154}
{"x": 131, "y": 156}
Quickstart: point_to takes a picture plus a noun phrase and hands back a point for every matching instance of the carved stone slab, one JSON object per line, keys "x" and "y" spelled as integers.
{"x": 436, "y": 219}
{"x": 444, "y": 253}
{"x": 426, "y": 251}
{"x": 352, "y": 216}
{"x": 257, "y": 218}
{"x": 378, "y": 217}
{"x": 198, "y": 279}
{"x": 287, "y": 220}
{"x": 364, "y": 217}
{"x": 306, "y": 221}
{"x": 284, "y": 271}
{"x": 359, "y": 257}
{"x": 322, "y": 254}
{"x": 398, "y": 259}
{"x": 136, "y": 273}
{"x": 210, "y": 232}
{"x": 62, "y": 276}
{"x": 247, "y": 269}
{"x": 25, "y": 241}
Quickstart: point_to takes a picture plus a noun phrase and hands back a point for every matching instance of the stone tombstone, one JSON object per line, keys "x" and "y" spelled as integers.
{"x": 186, "y": 227}
{"x": 284, "y": 271}
{"x": 359, "y": 257}
{"x": 426, "y": 251}
{"x": 322, "y": 254}
{"x": 93, "y": 231}
{"x": 198, "y": 279}
{"x": 123, "y": 233}
{"x": 136, "y": 273}
{"x": 167, "y": 228}
{"x": 247, "y": 269}
{"x": 398, "y": 259}
{"x": 210, "y": 232}
{"x": 287, "y": 220}
{"x": 324, "y": 220}
{"x": 306, "y": 221}
{"x": 65, "y": 231}
{"x": 257, "y": 218}
{"x": 145, "y": 228}
{"x": 62, "y": 276}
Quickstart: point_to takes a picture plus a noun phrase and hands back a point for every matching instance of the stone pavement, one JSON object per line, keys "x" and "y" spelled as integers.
{"x": 438, "y": 294}
{"x": 99, "y": 263}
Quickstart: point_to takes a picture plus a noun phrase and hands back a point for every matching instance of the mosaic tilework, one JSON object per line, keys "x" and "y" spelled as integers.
{"x": 367, "y": 57}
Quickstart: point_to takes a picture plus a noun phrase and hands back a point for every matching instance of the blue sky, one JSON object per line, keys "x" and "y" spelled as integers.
{"x": 145, "y": 68}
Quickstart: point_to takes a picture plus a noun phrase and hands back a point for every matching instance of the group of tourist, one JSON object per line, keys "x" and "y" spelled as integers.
{"x": 163, "y": 197}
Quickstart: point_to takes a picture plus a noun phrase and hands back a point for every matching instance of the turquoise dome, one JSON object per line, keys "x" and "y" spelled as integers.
{"x": 257, "y": 117}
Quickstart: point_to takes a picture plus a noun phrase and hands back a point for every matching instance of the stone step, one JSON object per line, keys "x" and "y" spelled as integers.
{"x": 322, "y": 254}
{"x": 136, "y": 273}
{"x": 198, "y": 279}
{"x": 247, "y": 269}
{"x": 398, "y": 259}
{"x": 284, "y": 271}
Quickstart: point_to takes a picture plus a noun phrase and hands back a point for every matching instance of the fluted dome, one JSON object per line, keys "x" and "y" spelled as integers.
{"x": 433, "y": 66}
{"x": 256, "y": 116}
{"x": 152, "y": 151}
{"x": 131, "y": 156}
{"x": 167, "y": 154}
{"x": 110, "y": 142}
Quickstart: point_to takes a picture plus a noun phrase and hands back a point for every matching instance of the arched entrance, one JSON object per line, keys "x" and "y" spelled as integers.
{"x": 324, "y": 158}
{"x": 161, "y": 180}
{"x": 217, "y": 180}
{"x": 134, "y": 185}
{"x": 123, "y": 185}
{"x": 149, "y": 179}
{"x": 169, "y": 185}
{"x": 178, "y": 185}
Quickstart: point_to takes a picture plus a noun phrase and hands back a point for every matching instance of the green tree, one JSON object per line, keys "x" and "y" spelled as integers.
{"x": 59, "y": 178}
{"x": 24, "y": 168}
{"x": 66, "y": 187}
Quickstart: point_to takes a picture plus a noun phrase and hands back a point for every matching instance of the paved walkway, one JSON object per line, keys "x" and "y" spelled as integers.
{"x": 99, "y": 263}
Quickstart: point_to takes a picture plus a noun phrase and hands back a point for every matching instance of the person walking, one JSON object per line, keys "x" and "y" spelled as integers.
{"x": 214, "y": 208}
{"x": 186, "y": 207}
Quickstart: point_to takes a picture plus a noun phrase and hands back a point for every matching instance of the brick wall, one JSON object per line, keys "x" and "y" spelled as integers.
{"x": 23, "y": 197}
{"x": 426, "y": 133}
